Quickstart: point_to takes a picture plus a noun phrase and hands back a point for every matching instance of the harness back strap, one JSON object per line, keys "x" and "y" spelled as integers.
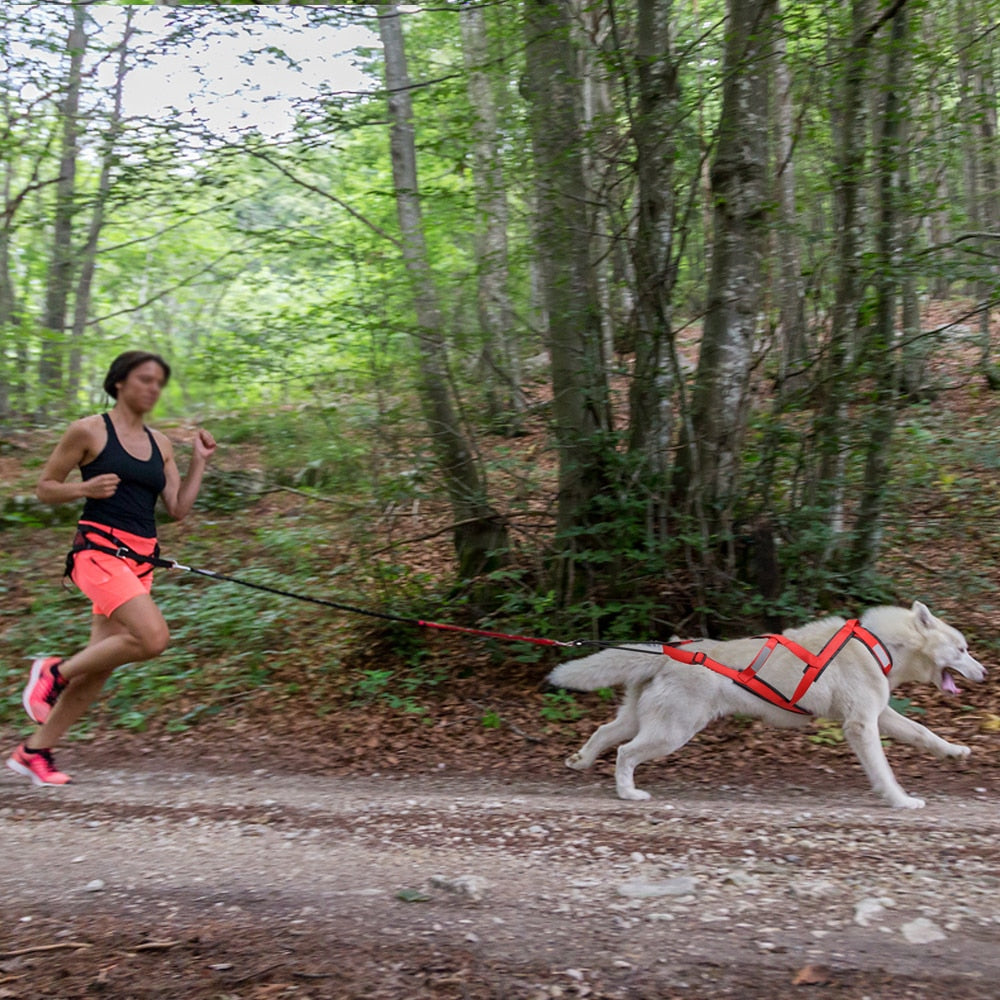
{"x": 83, "y": 542}
{"x": 815, "y": 663}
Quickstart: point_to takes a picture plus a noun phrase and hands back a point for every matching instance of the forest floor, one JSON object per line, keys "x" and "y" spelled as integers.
{"x": 274, "y": 850}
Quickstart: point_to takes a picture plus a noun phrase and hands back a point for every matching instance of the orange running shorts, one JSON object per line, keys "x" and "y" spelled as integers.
{"x": 110, "y": 581}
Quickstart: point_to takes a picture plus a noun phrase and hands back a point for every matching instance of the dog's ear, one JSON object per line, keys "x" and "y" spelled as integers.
{"x": 922, "y": 615}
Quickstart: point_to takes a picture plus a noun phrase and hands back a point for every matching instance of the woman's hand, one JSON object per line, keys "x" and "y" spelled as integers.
{"x": 101, "y": 487}
{"x": 204, "y": 445}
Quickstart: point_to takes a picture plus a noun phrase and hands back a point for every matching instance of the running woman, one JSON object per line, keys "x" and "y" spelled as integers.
{"x": 125, "y": 466}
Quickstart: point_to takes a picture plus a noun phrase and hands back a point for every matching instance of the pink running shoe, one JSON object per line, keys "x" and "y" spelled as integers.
{"x": 37, "y": 765}
{"x": 43, "y": 688}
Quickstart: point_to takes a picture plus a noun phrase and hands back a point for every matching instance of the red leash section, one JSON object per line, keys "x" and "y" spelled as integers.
{"x": 485, "y": 634}
{"x": 815, "y": 663}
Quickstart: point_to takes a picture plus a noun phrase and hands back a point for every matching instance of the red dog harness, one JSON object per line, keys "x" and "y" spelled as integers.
{"x": 815, "y": 663}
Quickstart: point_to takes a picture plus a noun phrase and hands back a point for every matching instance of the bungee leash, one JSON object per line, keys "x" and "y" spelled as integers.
{"x": 83, "y": 542}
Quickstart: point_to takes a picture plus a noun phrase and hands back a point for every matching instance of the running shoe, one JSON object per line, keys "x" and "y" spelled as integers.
{"x": 43, "y": 688}
{"x": 37, "y": 765}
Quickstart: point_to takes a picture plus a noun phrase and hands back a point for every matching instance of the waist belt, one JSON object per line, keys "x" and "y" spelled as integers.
{"x": 84, "y": 542}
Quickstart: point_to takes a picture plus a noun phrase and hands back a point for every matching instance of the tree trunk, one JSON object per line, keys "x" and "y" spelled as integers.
{"x": 977, "y": 73}
{"x": 827, "y": 487}
{"x": 88, "y": 255}
{"x": 60, "y": 275}
{"x": 793, "y": 344}
{"x": 741, "y": 194}
{"x": 655, "y": 374}
{"x": 580, "y": 405}
{"x": 505, "y": 396}
{"x": 479, "y": 533}
{"x": 915, "y": 348}
{"x": 9, "y": 319}
{"x": 880, "y": 348}
{"x": 590, "y": 38}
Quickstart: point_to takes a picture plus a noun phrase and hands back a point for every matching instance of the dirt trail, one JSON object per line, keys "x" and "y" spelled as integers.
{"x": 179, "y": 881}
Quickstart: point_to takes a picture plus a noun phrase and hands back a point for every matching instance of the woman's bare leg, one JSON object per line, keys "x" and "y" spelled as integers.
{"x": 135, "y": 631}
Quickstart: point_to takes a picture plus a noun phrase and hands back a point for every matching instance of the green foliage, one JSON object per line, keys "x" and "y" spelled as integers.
{"x": 307, "y": 446}
{"x": 905, "y": 707}
{"x": 491, "y": 720}
{"x": 828, "y": 734}
{"x": 560, "y": 706}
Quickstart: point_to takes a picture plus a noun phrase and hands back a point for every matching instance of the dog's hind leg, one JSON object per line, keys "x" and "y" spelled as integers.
{"x": 863, "y": 737}
{"x": 657, "y": 737}
{"x": 623, "y": 727}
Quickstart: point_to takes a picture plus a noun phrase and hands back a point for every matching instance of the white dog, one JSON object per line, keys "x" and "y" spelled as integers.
{"x": 668, "y": 701}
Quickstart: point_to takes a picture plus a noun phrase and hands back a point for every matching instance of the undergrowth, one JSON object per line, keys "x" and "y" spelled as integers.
{"x": 231, "y": 643}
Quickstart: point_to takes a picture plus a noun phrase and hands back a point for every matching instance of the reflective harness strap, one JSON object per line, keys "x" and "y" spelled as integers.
{"x": 82, "y": 542}
{"x": 815, "y": 663}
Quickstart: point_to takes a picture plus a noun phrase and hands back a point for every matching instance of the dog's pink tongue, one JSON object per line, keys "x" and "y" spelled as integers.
{"x": 948, "y": 685}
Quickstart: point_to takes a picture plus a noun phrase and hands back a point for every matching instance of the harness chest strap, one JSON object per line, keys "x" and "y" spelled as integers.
{"x": 815, "y": 663}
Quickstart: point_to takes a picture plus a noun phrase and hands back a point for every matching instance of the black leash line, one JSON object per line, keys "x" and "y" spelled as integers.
{"x": 123, "y": 551}
{"x": 482, "y": 633}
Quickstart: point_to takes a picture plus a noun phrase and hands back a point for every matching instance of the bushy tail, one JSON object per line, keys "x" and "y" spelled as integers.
{"x": 609, "y": 668}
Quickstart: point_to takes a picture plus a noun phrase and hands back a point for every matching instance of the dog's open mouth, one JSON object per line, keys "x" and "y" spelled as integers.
{"x": 948, "y": 684}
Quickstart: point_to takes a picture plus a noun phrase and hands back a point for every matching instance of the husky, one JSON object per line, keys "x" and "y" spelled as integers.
{"x": 672, "y": 692}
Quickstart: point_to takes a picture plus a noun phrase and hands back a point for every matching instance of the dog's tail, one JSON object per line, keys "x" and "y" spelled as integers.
{"x": 608, "y": 668}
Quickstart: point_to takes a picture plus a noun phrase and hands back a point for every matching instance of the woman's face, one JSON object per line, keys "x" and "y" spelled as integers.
{"x": 142, "y": 386}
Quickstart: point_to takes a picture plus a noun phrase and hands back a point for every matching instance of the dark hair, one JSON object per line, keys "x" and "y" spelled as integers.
{"x": 124, "y": 363}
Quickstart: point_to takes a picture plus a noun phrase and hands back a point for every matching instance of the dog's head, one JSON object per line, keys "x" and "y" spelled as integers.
{"x": 947, "y": 650}
{"x": 924, "y": 649}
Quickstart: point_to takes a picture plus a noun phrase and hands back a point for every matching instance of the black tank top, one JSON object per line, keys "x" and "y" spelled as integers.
{"x": 133, "y": 503}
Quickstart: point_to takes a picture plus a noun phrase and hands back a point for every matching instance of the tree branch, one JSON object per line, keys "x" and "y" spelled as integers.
{"x": 164, "y": 291}
{"x": 329, "y": 197}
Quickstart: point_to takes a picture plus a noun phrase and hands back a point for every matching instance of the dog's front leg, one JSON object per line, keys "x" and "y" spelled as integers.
{"x": 898, "y": 727}
{"x": 863, "y": 737}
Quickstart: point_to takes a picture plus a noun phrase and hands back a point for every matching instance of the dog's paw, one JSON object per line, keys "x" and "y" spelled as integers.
{"x": 633, "y": 794}
{"x": 909, "y": 802}
{"x": 957, "y": 750}
{"x": 576, "y": 762}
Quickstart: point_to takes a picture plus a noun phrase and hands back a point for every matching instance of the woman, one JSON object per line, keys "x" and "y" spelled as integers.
{"x": 125, "y": 467}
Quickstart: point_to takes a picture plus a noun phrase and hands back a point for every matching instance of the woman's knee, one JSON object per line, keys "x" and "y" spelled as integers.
{"x": 142, "y": 622}
{"x": 153, "y": 641}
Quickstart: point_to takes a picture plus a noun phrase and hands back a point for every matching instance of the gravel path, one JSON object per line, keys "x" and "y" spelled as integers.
{"x": 172, "y": 881}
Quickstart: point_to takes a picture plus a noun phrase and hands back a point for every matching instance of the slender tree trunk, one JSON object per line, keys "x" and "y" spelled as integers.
{"x": 741, "y": 195}
{"x": 651, "y": 415}
{"x": 591, "y": 36}
{"x": 496, "y": 318}
{"x": 793, "y": 345}
{"x": 9, "y": 319}
{"x": 840, "y": 369}
{"x": 979, "y": 77}
{"x": 835, "y": 374}
{"x": 880, "y": 349}
{"x": 915, "y": 348}
{"x": 88, "y": 255}
{"x": 580, "y": 405}
{"x": 60, "y": 275}
{"x": 939, "y": 224}
{"x": 479, "y": 532}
